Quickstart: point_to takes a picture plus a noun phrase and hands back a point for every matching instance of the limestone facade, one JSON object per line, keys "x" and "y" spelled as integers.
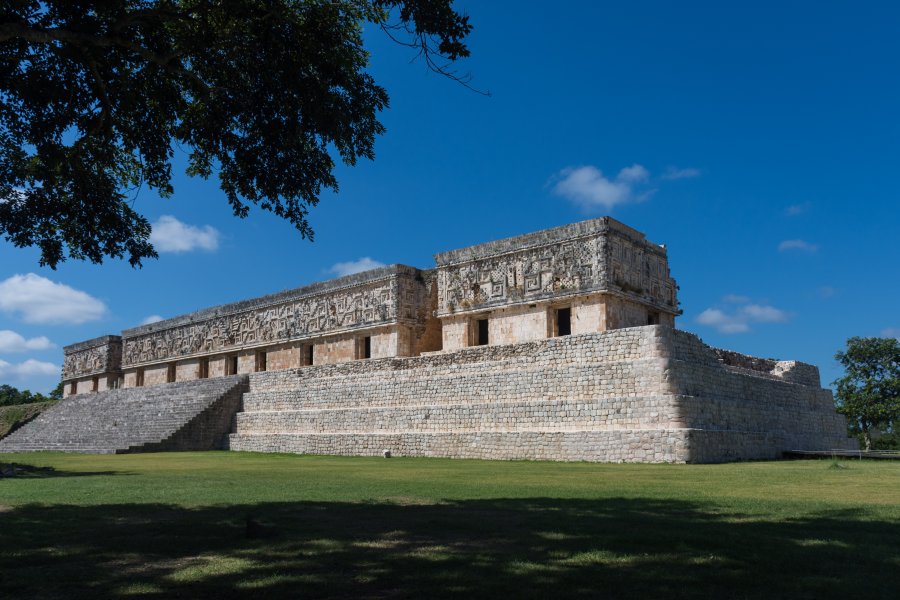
{"x": 584, "y": 277}
{"x": 556, "y": 345}
{"x": 640, "y": 394}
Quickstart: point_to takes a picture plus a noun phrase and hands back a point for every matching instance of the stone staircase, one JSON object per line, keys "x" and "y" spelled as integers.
{"x": 189, "y": 415}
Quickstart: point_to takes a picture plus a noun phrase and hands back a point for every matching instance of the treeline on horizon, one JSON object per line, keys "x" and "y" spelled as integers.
{"x": 10, "y": 396}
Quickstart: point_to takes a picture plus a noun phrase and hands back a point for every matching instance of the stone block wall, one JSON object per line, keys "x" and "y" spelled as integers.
{"x": 637, "y": 394}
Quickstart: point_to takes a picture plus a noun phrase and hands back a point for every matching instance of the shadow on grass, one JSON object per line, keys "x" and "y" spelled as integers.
{"x": 615, "y": 548}
{"x": 20, "y": 470}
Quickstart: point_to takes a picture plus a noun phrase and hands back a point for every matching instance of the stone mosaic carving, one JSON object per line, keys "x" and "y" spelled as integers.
{"x": 381, "y": 302}
{"x": 602, "y": 260}
{"x": 534, "y": 273}
{"x": 636, "y": 269}
{"x": 103, "y": 355}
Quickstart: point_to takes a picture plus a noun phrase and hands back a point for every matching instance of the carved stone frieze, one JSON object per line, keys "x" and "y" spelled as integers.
{"x": 517, "y": 276}
{"x": 389, "y": 299}
{"x": 93, "y": 357}
{"x": 591, "y": 256}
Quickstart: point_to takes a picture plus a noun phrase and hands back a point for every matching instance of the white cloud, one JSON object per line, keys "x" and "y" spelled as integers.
{"x": 797, "y": 209}
{"x": 38, "y": 300}
{"x": 826, "y": 291}
{"x": 590, "y": 189}
{"x": 171, "y": 235}
{"x": 735, "y": 299}
{"x": 676, "y": 173}
{"x": 893, "y": 332}
{"x": 355, "y": 266}
{"x": 10, "y": 341}
{"x": 633, "y": 174}
{"x": 764, "y": 314}
{"x": 801, "y": 245}
{"x": 739, "y": 319}
{"x": 151, "y": 319}
{"x": 723, "y": 322}
{"x": 28, "y": 368}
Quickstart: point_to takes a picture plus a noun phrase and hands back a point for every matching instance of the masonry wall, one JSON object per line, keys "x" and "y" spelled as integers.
{"x": 644, "y": 394}
{"x": 524, "y": 323}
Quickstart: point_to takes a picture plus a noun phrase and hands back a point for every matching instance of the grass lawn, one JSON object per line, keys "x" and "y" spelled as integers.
{"x": 221, "y": 525}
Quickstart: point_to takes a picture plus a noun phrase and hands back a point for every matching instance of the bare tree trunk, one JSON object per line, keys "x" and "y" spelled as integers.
{"x": 867, "y": 438}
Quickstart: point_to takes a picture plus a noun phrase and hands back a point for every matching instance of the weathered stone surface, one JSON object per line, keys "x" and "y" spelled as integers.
{"x": 176, "y": 416}
{"x": 381, "y": 296}
{"x": 558, "y": 345}
{"x": 643, "y": 394}
{"x": 600, "y": 255}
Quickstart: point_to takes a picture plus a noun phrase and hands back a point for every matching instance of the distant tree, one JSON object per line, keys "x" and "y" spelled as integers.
{"x": 94, "y": 95}
{"x": 10, "y": 396}
{"x": 869, "y": 392}
{"x": 57, "y": 392}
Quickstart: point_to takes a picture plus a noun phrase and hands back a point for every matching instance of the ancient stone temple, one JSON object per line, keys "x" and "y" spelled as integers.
{"x": 559, "y": 345}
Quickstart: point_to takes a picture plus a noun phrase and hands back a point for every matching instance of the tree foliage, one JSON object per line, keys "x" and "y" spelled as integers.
{"x": 94, "y": 94}
{"x": 10, "y": 396}
{"x": 869, "y": 392}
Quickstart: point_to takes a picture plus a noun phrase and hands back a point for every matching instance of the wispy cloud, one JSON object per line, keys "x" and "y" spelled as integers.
{"x": 355, "y": 266}
{"x": 588, "y": 188}
{"x": 36, "y": 299}
{"x": 739, "y": 319}
{"x": 10, "y": 341}
{"x": 826, "y": 291}
{"x": 735, "y": 299}
{"x": 171, "y": 235}
{"x": 797, "y": 209}
{"x": 151, "y": 319}
{"x": 677, "y": 173}
{"x": 801, "y": 245}
{"x": 28, "y": 368}
{"x": 893, "y": 332}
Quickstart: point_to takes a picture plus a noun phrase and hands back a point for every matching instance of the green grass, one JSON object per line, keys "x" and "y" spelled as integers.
{"x": 176, "y": 525}
{"x": 17, "y": 414}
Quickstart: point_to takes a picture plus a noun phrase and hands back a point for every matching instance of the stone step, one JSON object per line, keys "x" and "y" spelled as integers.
{"x": 519, "y": 415}
{"x": 128, "y": 420}
{"x": 573, "y": 381}
{"x": 629, "y": 445}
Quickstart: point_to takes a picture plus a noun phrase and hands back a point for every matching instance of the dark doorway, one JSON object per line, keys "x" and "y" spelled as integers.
{"x": 204, "y": 368}
{"x": 231, "y": 365}
{"x": 309, "y": 354}
{"x": 653, "y": 318}
{"x": 564, "y": 321}
{"x": 482, "y": 332}
{"x": 367, "y": 347}
{"x": 260, "y": 362}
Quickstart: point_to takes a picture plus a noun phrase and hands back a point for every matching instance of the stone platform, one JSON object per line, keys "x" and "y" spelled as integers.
{"x": 641, "y": 394}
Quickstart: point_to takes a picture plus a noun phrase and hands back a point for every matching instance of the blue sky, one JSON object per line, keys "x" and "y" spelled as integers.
{"x": 759, "y": 141}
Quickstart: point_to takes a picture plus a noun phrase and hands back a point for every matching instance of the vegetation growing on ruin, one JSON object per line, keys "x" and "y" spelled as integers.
{"x": 252, "y": 525}
{"x": 14, "y": 416}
